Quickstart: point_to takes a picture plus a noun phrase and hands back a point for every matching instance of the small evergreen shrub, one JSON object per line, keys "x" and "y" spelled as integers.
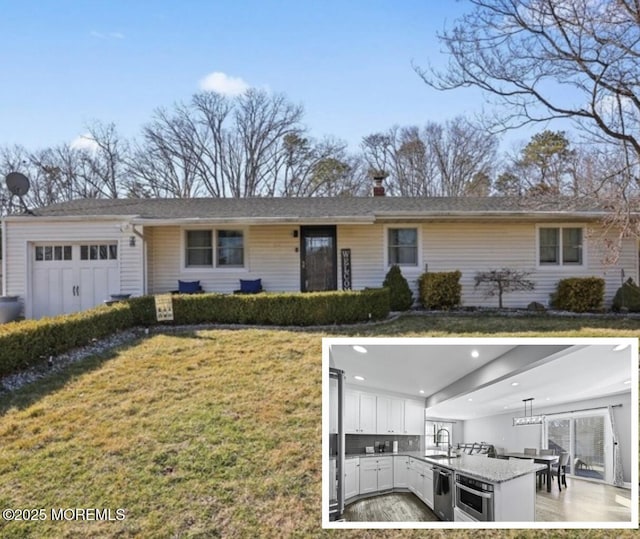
{"x": 627, "y": 297}
{"x": 440, "y": 290}
{"x": 579, "y": 294}
{"x": 401, "y": 296}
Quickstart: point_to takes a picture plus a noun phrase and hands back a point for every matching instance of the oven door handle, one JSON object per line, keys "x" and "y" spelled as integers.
{"x": 487, "y": 495}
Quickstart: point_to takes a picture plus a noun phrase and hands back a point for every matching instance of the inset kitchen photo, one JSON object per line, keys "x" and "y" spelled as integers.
{"x": 434, "y": 433}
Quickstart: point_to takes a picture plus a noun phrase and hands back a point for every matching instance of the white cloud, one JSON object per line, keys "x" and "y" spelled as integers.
{"x": 223, "y": 84}
{"x": 84, "y": 142}
{"x": 107, "y": 35}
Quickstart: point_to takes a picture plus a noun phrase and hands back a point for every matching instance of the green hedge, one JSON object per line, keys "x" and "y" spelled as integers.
{"x": 627, "y": 297}
{"x": 440, "y": 290}
{"x": 29, "y": 342}
{"x": 579, "y": 294}
{"x": 281, "y": 309}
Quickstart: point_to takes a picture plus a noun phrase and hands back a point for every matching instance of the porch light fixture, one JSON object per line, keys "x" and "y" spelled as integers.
{"x": 132, "y": 241}
{"x": 528, "y": 419}
{"x": 360, "y": 349}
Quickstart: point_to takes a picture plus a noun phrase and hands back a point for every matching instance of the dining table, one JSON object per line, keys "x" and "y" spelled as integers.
{"x": 538, "y": 459}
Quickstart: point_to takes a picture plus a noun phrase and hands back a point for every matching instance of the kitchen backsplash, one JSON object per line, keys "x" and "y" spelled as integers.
{"x": 355, "y": 443}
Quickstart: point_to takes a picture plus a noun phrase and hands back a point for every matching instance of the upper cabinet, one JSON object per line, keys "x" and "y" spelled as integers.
{"x": 390, "y": 415}
{"x": 360, "y": 412}
{"x": 413, "y": 417}
{"x": 367, "y": 413}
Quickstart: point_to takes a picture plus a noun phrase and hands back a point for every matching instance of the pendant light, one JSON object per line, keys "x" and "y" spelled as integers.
{"x": 529, "y": 419}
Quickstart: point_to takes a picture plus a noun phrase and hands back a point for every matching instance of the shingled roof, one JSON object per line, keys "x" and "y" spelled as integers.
{"x": 311, "y": 209}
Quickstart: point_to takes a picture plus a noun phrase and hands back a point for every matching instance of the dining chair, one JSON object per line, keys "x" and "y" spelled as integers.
{"x": 561, "y": 469}
{"x": 530, "y": 451}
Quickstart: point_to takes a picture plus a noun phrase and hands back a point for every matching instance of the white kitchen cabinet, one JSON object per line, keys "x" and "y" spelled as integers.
{"x": 400, "y": 472}
{"x": 420, "y": 467}
{"x": 415, "y": 476}
{"x": 351, "y": 478}
{"x": 389, "y": 415}
{"x": 368, "y": 475}
{"x": 428, "y": 485}
{"x": 359, "y": 412}
{"x": 413, "y": 417}
{"x": 376, "y": 473}
{"x": 385, "y": 473}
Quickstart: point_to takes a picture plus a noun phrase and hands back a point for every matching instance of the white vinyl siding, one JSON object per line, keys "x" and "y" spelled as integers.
{"x": 22, "y": 235}
{"x": 270, "y": 253}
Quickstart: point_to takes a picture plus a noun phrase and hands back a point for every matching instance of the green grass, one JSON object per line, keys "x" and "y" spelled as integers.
{"x": 212, "y": 433}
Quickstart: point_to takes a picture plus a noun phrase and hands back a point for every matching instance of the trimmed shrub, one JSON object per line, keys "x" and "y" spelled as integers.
{"x": 627, "y": 297}
{"x": 282, "y": 309}
{"x": 440, "y": 290}
{"x": 579, "y": 294}
{"x": 30, "y": 342}
{"x": 401, "y": 296}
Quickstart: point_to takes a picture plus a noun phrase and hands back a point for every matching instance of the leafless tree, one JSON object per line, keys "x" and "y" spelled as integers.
{"x": 216, "y": 146}
{"x": 104, "y": 161}
{"x": 542, "y": 60}
{"x": 439, "y": 160}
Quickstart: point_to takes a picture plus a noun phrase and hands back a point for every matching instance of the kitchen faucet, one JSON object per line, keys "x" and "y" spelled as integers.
{"x": 448, "y": 440}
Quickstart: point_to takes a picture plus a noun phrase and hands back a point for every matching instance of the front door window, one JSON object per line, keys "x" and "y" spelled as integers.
{"x": 318, "y": 259}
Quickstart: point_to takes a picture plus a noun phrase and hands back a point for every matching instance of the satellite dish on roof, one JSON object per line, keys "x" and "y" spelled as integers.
{"x": 18, "y": 184}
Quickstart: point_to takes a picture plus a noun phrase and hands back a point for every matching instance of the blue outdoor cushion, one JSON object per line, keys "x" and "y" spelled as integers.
{"x": 250, "y": 287}
{"x": 188, "y": 287}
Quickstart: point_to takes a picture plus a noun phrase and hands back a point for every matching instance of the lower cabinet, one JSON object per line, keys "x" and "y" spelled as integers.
{"x": 376, "y": 473}
{"x": 351, "y": 478}
{"x": 428, "y": 485}
{"x": 333, "y": 485}
{"x": 400, "y": 472}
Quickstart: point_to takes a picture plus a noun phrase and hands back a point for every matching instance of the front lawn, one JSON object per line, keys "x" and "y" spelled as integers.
{"x": 211, "y": 433}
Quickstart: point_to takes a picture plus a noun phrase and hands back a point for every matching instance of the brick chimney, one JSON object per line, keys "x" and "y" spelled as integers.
{"x": 378, "y": 188}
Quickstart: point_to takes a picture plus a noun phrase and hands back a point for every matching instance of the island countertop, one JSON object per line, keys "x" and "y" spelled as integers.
{"x": 479, "y": 467}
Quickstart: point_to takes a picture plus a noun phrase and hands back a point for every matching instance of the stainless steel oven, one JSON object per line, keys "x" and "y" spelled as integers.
{"x": 475, "y": 498}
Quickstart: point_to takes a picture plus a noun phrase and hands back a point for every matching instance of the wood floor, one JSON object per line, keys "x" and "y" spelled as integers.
{"x": 583, "y": 501}
{"x": 395, "y": 507}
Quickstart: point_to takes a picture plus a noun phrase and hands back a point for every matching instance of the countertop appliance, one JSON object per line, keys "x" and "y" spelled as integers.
{"x": 475, "y": 498}
{"x": 443, "y": 493}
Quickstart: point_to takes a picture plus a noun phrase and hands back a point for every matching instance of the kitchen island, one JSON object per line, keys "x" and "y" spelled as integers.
{"x": 510, "y": 485}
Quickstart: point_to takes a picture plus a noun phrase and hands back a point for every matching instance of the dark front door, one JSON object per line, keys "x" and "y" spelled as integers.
{"x": 318, "y": 267}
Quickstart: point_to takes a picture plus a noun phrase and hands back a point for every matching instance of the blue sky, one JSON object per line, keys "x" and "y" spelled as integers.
{"x": 67, "y": 63}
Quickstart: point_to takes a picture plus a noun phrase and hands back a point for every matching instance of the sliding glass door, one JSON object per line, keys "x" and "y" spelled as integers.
{"x": 588, "y": 440}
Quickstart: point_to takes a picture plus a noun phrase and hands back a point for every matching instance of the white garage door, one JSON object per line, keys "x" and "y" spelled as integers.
{"x": 72, "y": 277}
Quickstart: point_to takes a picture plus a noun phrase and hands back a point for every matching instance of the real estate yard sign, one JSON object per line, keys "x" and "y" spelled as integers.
{"x": 164, "y": 307}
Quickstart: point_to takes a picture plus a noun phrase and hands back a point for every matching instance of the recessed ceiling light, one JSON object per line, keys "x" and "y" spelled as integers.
{"x": 357, "y": 377}
{"x": 422, "y": 391}
{"x": 620, "y": 347}
{"x": 627, "y": 381}
{"x": 514, "y": 384}
{"x": 360, "y": 349}
{"x": 470, "y": 400}
{"x": 548, "y": 399}
{"x": 506, "y": 407}
{"x": 475, "y": 353}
